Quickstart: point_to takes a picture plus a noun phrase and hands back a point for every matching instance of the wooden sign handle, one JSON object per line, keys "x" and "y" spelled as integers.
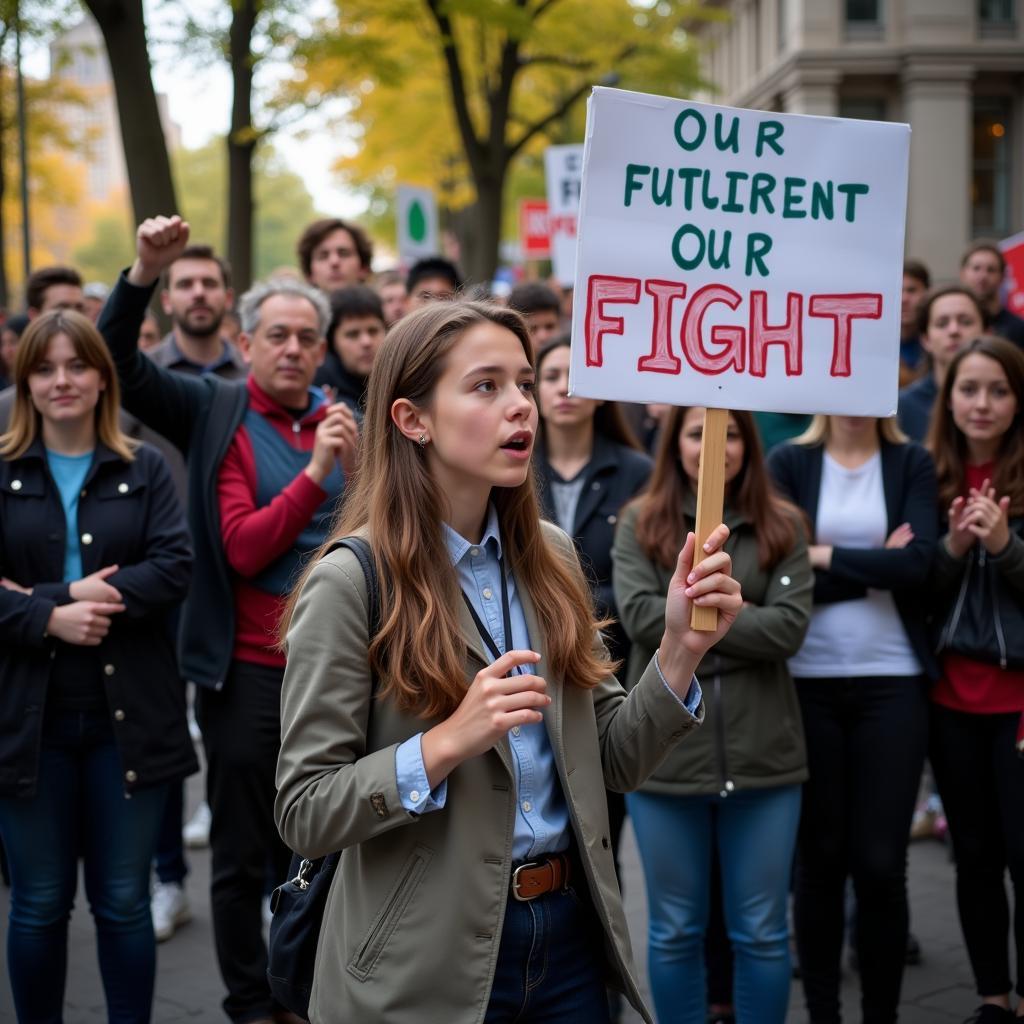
{"x": 710, "y": 500}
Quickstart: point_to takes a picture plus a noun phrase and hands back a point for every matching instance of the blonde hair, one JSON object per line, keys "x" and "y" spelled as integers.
{"x": 92, "y": 350}
{"x": 819, "y": 430}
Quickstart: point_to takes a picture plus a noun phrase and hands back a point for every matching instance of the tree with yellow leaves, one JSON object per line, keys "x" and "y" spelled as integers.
{"x": 451, "y": 93}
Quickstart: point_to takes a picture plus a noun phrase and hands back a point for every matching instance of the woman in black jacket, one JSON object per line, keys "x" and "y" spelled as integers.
{"x": 589, "y": 466}
{"x": 977, "y": 706}
{"x": 869, "y": 496}
{"x": 93, "y": 555}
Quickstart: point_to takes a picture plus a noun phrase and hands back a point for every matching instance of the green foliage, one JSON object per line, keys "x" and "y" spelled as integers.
{"x": 111, "y": 246}
{"x": 524, "y": 69}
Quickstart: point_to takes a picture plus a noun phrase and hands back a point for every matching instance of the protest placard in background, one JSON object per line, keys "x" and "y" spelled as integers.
{"x": 1013, "y": 283}
{"x": 417, "y": 224}
{"x": 534, "y": 237}
{"x": 563, "y": 170}
{"x": 738, "y": 259}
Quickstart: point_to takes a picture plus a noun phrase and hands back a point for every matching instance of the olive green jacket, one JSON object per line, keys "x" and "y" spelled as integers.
{"x": 753, "y": 736}
{"x": 413, "y": 921}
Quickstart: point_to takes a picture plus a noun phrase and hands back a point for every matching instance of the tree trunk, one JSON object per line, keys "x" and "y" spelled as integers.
{"x": 145, "y": 148}
{"x": 242, "y": 140}
{"x": 479, "y": 229}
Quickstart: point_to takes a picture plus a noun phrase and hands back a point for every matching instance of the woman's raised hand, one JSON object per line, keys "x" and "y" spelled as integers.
{"x": 494, "y": 703}
{"x": 987, "y": 517}
{"x": 959, "y": 540}
{"x": 708, "y": 585}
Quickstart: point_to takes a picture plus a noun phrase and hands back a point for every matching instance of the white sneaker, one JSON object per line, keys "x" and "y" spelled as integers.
{"x": 169, "y": 906}
{"x": 196, "y": 832}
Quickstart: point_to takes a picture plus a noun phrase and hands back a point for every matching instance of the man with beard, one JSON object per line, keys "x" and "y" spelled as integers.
{"x": 196, "y": 294}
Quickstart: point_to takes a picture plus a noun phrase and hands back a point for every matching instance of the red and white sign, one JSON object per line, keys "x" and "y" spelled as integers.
{"x": 738, "y": 259}
{"x": 534, "y": 239}
{"x": 1013, "y": 252}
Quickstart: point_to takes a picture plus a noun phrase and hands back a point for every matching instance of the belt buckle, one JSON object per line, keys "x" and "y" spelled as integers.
{"x": 515, "y": 882}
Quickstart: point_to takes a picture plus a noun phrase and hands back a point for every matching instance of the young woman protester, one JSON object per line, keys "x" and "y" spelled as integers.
{"x": 736, "y": 783}
{"x": 94, "y": 555}
{"x": 861, "y": 677}
{"x": 459, "y": 760}
{"x": 977, "y": 707}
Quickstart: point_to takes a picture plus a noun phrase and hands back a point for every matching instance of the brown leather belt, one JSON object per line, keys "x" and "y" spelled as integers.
{"x": 539, "y": 877}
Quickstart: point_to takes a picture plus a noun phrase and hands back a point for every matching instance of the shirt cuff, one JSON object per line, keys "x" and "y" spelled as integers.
{"x": 413, "y": 787}
{"x": 693, "y": 695}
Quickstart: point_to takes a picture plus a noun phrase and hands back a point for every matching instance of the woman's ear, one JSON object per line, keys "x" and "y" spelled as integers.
{"x": 410, "y": 420}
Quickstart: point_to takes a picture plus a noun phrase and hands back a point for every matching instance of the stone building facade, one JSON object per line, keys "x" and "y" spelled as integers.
{"x": 952, "y": 69}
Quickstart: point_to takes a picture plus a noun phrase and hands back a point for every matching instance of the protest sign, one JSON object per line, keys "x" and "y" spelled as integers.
{"x": 563, "y": 170}
{"x": 738, "y": 259}
{"x": 1013, "y": 252}
{"x": 417, "y": 224}
{"x": 534, "y": 240}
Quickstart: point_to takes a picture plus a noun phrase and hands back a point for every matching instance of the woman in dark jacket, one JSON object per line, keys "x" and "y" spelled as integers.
{"x": 589, "y": 465}
{"x": 869, "y": 496}
{"x": 977, "y": 707}
{"x": 93, "y": 555}
{"x": 734, "y": 785}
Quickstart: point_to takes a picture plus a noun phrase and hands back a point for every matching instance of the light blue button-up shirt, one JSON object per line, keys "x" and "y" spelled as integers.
{"x": 542, "y": 817}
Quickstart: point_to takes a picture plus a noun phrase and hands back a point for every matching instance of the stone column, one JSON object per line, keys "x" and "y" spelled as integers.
{"x": 937, "y": 103}
{"x": 812, "y": 91}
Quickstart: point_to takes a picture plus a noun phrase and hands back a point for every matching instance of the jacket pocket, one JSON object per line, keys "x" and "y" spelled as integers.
{"x": 369, "y": 950}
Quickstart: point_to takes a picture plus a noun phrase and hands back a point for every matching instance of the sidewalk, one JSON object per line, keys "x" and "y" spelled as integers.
{"x": 939, "y": 991}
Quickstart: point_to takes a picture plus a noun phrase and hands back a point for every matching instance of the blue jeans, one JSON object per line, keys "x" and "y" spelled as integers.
{"x": 550, "y": 963}
{"x": 80, "y": 808}
{"x": 755, "y": 832}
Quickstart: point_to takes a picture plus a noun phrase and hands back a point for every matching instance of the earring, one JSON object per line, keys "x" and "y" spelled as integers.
{"x": 422, "y": 440}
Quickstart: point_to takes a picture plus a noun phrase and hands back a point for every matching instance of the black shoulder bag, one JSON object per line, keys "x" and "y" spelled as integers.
{"x": 298, "y": 905}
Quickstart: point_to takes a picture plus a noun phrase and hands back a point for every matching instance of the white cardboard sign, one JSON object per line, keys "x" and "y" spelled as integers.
{"x": 738, "y": 259}
{"x": 563, "y": 169}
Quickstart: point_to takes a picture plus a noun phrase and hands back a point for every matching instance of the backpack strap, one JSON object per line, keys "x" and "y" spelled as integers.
{"x": 361, "y": 549}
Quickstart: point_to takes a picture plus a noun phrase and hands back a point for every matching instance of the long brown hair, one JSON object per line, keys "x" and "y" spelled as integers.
{"x": 948, "y": 445}
{"x": 661, "y": 524}
{"x": 418, "y": 653}
{"x": 89, "y": 346}
{"x": 609, "y": 420}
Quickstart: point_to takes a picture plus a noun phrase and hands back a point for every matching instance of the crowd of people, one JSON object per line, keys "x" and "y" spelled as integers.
{"x": 171, "y": 584}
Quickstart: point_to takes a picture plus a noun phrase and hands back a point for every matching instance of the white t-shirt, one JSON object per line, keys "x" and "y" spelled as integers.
{"x": 863, "y": 637}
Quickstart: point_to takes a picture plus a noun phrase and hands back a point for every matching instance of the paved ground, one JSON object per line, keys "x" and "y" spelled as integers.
{"x": 938, "y": 991}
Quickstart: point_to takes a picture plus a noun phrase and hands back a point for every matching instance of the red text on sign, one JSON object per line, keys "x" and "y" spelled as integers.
{"x": 743, "y": 349}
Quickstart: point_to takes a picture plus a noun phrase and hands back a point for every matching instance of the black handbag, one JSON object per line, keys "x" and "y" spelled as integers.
{"x": 986, "y": 620}
{"x": 298, "y": 905}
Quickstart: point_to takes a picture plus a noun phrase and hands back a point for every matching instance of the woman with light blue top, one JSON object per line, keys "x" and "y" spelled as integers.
{"x": 93, "y": 556}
